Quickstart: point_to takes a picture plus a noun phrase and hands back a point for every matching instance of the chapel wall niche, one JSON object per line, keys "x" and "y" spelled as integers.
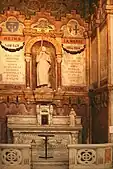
{"x": 51, "y": 51}
{"x": 62, "y": 38}
{"x": 65, "y": 42}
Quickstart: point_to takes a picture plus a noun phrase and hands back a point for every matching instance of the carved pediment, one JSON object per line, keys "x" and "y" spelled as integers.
{"x": 43, "y": 25}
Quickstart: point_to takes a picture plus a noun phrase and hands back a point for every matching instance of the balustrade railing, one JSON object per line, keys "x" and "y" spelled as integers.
{"x": 81, "y": 156}
{"x": 89, "y": 156}
{"x": 15, "y": 156}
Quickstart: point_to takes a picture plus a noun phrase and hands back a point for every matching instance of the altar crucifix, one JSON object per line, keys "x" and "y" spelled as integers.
{"x": 46, "y": 146}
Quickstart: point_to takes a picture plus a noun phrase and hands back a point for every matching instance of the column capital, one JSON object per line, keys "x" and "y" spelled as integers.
{"x": 28, "y": 54}
{"x": 86, "y": 34}
{"x": 59, "y": 58}
{"x": 109, "y": 8}
{"x": 97, "y": 23}
{"x": 27, "y": 57}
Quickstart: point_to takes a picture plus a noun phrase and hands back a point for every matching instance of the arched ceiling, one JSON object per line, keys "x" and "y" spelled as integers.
{"x": 58, "y": 8}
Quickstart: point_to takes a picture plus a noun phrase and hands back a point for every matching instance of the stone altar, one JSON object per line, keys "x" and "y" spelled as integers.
{"x": 30, "y": 129}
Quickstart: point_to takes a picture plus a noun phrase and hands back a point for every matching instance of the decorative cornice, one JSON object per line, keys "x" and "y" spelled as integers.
{"x": 57, "y": 8}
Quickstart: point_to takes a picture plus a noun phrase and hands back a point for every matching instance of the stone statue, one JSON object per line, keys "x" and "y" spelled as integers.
{"x": 43, "y": 65}
{"x": 72, "y": 116}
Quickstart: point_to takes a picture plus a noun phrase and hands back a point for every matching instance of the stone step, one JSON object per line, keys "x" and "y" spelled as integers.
{"x": 50, "y": 165}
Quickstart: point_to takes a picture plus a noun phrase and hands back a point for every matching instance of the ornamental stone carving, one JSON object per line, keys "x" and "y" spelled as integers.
{"x": 86, "y": 156}
{"x": 11, "y": 156}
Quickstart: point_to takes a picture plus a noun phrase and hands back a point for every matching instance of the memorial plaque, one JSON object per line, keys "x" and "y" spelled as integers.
{"x": 12, "y": 63}
{"x": 73, "y": 69}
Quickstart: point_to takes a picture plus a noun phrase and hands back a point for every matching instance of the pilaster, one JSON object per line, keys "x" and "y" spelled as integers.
{"x": 88, "y": 68}
{"x": 109, "y": 10}
{"x": 98, "y": 47}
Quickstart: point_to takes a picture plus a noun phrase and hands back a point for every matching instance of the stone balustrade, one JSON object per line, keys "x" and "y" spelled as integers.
{"x": 89, "y": 156}
{"x": 81, "y": 156}
{"x": 15, "y": 156}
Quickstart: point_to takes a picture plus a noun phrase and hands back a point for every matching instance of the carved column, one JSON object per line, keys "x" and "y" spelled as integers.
{"x": 98, "y": 46}
{"x": 59, "y": 108}
{"x": 87, "y": 57}
{"x": 28, "y": 69}
{"x": 109, "y": 2}
{"x": 9, "y": 136}
{"x": 59, "y": 59}
{"x": 90, "y": 60}
{"x": 110, "y": 69}
{"x": 16, "y": 138}
{"x": 74, "y": 137}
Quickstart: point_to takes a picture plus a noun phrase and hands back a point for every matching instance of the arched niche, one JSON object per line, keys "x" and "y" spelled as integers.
{"x": 50, "y": 49}
{"x": 50, "y": 40}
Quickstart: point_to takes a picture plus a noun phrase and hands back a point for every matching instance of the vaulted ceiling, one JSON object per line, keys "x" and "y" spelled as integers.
{"x": 58, "y": 8}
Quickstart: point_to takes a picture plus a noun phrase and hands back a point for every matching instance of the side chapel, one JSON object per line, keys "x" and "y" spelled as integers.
{"x": 56, "y": 78}
{"x": 43, "y": 72}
